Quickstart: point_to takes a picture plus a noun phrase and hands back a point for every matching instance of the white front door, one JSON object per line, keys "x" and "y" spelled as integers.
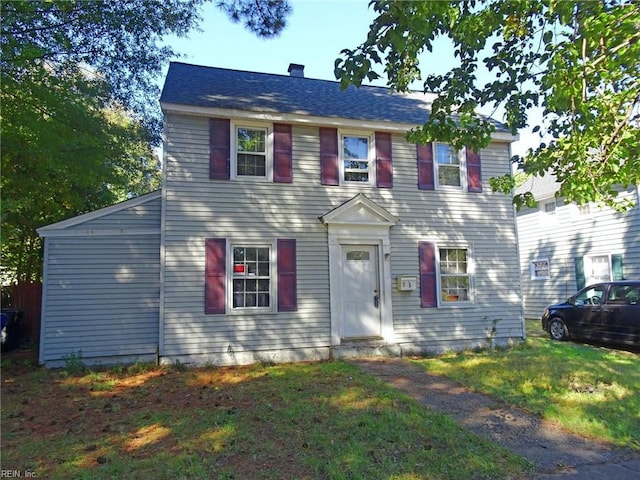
{"x": 360, "y": 292}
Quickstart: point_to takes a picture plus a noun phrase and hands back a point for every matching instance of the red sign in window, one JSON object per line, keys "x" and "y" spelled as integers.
{"x": 238, "y": 269}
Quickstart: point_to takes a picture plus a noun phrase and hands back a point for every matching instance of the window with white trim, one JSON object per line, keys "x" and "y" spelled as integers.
{"x": 252, "y": 156}
{"x": 539, "y": 269}
{"x": 356, "y": 158}
{"x": 580, "y": 212}
{"x": 449, "y": 165}
{"x": 548, "y": 216}
{"x": 455, "y": 275}
{"x": 252, "y": 282}
{"x": 584, "y": 210}
{"x": 597, "y": 268}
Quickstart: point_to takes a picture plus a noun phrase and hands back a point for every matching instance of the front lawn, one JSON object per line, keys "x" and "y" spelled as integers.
{"x": 302, "y": 421}
{"x": 590, "y": 390}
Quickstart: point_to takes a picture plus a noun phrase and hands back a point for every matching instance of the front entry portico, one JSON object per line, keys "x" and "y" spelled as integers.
{"x": 359, "y": 271}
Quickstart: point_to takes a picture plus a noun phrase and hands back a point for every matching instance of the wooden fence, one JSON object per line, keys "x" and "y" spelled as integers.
{"x": 28, "y": 298}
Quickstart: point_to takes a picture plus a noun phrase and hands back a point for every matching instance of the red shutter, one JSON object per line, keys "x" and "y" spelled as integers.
{"x": 219, "y": 145}
{"x": 329, "y": 168}
{"x": 384, "y": 166}
{"x": 215, "y": 275}
{"x": 425, "y": 166}
{"x": 282, "y": 156}
{"x": 474, "y": 171}
{"x": 428, "y": 284}
{"x": 287, "y": 289}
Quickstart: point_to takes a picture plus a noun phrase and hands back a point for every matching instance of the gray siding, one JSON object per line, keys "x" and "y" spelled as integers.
{"x": 197, "y": 208}
{"x": 602, "y": 232}
{"x": 101, "y": 291}
{"x": 135, "y": 218}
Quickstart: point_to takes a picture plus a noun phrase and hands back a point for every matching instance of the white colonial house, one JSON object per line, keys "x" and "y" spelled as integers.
{"x": 295, "y": 222}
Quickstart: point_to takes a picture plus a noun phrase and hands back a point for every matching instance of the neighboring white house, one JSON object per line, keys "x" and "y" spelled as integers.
{"x": 564, "y": 247}
{"x": 295, "y": 222}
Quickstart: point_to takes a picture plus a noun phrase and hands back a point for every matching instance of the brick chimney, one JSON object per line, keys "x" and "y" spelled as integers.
{"x": 296, "y": 70}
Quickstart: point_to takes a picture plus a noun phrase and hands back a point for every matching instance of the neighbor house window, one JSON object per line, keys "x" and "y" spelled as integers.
{"x": 539, "y": 269}
{"x": 252, "y": 156}
{"x": 548, "y": 216}
{"x": 455, "y": 276}
{"x": 549, "y": 208}
{"x": 356, "y": 161}
{"x": 448, "y": 165}
{"x": 580, "y": 212}
{"x": 592, "y": 269}
{"x": 252, "y": 277}
{"x": 584, "y": 210}
{"x": 597, "y": 268}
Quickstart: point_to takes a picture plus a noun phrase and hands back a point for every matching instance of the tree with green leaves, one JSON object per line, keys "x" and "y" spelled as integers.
{"x": 80, "y": 111}
{"x": 77, "y": 121}
{"x": 578, "y": 61}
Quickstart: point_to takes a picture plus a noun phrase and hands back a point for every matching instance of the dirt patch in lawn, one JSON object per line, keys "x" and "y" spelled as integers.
{"x": 118, "y": 415}
{"x": 304, "y": 421}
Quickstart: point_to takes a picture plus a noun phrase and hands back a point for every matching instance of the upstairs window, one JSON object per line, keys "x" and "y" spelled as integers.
{"x": 440, "y": 166}
{"x": 356, "y": 159}
{"x": 448, "y": 166}
{"x": 580, "y": 212}
{"x": 548, "y": 213}
{"x": 584, "y": 210}
{"x": 251, "y": 152}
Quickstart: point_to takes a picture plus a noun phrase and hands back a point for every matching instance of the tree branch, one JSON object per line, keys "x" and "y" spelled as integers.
{"x": 621, "y": 124}
{"x": 614, "y": 50}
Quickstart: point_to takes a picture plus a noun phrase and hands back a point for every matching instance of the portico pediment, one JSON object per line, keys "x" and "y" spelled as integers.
{"x": 360, "y": 210}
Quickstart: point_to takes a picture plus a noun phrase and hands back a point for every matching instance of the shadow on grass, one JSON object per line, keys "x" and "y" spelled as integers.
{"x": 316, "y": 420}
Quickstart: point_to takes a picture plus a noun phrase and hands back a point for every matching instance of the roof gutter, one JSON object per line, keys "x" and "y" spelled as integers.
{"x": 303, "y": 118}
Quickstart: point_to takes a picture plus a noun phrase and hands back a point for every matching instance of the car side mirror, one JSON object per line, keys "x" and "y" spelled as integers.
{"x": 579, "y": 303}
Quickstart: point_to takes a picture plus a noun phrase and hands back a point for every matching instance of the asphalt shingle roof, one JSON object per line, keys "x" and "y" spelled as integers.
{"x": 202, "y": 86}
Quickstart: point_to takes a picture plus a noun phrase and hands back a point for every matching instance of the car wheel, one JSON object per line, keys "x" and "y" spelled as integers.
{"x": 557, "y": 329}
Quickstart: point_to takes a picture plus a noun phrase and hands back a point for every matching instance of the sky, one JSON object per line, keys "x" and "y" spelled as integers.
{"x": 316, "y": 32}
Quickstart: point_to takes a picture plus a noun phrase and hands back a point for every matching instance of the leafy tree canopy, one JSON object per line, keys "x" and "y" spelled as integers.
{"x": 578, "y": 61}
{"x": 80, "y": 110}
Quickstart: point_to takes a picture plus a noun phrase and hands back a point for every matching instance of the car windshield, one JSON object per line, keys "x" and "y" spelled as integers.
{"x": 590, "y": 296}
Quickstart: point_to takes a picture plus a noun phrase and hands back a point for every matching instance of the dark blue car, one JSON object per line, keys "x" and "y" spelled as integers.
{"x": 604, "y": 312}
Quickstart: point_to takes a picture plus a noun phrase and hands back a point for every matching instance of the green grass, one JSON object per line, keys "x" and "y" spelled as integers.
{"x": 589, "y": 390}
{"x": 298, "y": 421}
{"x": 302, "y": 421}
